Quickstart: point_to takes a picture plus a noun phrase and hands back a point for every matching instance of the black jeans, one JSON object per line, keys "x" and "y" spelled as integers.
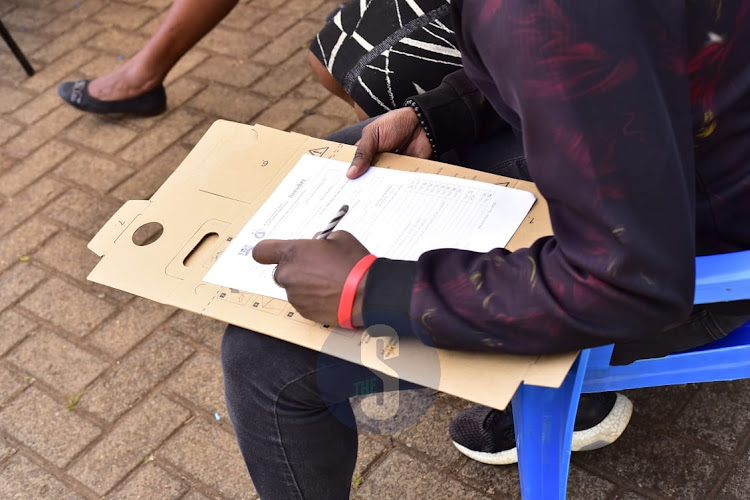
{"x": 290, "y": 406}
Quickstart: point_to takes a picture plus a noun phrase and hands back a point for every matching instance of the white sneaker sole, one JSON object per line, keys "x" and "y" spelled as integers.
{"x": 604, "y": 433}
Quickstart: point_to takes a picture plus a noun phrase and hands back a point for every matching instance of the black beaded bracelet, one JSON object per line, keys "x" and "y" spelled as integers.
{"x": 420, "y": 116}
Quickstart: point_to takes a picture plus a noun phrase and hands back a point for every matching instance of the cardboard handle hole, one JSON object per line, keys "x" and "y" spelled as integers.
{"x": 147, "y": 234}
{"x": 200, "y": 251}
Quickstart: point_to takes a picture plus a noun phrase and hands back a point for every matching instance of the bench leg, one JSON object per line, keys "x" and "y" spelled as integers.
{"x": 544, "y": 420}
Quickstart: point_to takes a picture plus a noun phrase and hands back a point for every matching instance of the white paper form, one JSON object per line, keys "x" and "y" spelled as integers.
{"x": 394, "y": 213}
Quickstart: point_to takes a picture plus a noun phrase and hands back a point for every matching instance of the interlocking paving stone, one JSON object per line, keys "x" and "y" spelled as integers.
{"x": 210, "y": 454}
{"x": 100, "y": 65}
{"x": 227, "y": 43}
{"x": 295, "y": 37}
{"x": 201, "y": 329}
{"x": 21, "y": 479}
{"x": 46, "y": 426}
{"x": 504, "y": 480}
{"x": 368, "y": 450}
{"x": 17, "y": 281}
{"x": 629, "y": 495}
{"x": 90, "y": 132}
{"x": 68, "y": 307}
{"x": 74, "y": 17}
{"x": 242, "y": 106}
{"x": 135, "y": 438}
{"x": 52, "y": 74}
{"x": 38, "y": 107}
{"x": 654, "y": 460}
{"x": 152, "y": 26}
{"x": 737, "y": 485}
{"x": 13, "y": 98}
{"x": 230, "y": 70}
{"x": 6, "y": 162}
{"x": 246, "y": 15}
{"x": 5, "y": 451}
{"x": 718, "y": 414}
{"x": 191, "y": 139}
{"x": 194, "y": 495}
{"x": 493, "y": 479}
{"x": 116, "y": 42}
{"x": 400, "y": 477}
{"x": 286, "y": 76}
{"x": 209, "y": 394}
{"x": 661, "y": 403}
{"x": 10, "y": 383}
{"x": 278, "y": 22}
{"x": 10, "y": 70}
{"x": 160, "y": 137}
{"x": 585, "y": 486}
{"x": 146, "y": 181}
{"x": 29, "y": 201}
{"x": 42, "y": 131}
{"x": 68, "y": 41}
{"x": 182, "y": 90}
{"x": 185, "y": 65}
{"x": 125, "y": 16}
{"x": 33, "y": 167}
{"x": 81, "y": 211}
{"x": 94, "y": 171}
{"x": 318, "y": 126}
{"x": 134, "y": 322}
{"x": 8, "y": 130}
{"x": 334, "y": 107}
{"x": 24, "y": 239}
{"x": 128, "y": 381}
{"x": 323, "y": 10}
{"x": 13, "y": 328}
{"x": 310, "y": 88}
{"x": 150, "y": 481}
{"x": 57, "y": 362}
{"x": 286, "y": 112}
{"x": 430, "y": 433}
{"x": 29, "y": 18}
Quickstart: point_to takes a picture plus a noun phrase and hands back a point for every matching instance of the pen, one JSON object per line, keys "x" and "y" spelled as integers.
{"x": 334, "y": 222}
{"x": 321, "y": 236}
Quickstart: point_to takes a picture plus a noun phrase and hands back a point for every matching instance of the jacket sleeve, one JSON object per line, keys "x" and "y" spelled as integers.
{"x": 457, "y": 114}
{"x": 605, "y": 116}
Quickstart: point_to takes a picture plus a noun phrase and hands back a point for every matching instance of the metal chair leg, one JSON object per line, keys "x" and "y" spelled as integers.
{"x": 16, "y": 51}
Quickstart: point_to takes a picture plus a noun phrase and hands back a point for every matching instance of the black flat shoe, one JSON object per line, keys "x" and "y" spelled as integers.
{"x": 77, "y": 95}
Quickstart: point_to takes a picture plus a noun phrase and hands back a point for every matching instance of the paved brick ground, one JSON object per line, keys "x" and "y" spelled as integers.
{"x": 107, "y": 395}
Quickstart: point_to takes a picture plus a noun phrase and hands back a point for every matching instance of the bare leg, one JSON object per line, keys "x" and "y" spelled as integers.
{"x": 333, "y": 86}
{"x": 186, "y": 23}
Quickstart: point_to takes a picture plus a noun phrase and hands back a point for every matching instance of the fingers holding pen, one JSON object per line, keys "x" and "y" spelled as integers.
{"x": 313, "y": 262}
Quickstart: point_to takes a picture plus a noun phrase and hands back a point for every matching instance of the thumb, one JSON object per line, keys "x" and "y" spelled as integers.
{"x": 367, "y": 147}
{"x": 270, "y": 251}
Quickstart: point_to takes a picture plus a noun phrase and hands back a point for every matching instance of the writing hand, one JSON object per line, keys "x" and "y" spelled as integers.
{"x": 313, "y": 272}
{"x": 396, "y": 129}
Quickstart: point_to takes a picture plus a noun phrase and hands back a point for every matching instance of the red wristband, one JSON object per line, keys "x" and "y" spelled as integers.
{"x": 349, "y": 292}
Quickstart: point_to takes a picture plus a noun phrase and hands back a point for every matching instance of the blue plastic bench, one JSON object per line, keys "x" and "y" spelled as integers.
{"x": 544, "y": 417}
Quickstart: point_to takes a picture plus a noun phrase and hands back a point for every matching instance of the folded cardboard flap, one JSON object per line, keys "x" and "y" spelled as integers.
{"x": 117, "y": 224}
{"x": 207, "y": 201}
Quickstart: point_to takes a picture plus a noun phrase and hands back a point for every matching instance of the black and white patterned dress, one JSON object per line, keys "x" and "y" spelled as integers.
{"x": 385, "y": 51}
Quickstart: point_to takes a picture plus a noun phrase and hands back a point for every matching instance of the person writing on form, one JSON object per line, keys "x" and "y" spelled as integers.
{"x": 633, "y": 122}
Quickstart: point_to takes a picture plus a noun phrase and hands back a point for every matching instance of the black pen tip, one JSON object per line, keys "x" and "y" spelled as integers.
{"x": 345, "y": 208}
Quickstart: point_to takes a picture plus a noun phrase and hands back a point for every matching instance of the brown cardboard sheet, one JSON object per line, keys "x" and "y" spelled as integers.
{"x": 210, "y": 197}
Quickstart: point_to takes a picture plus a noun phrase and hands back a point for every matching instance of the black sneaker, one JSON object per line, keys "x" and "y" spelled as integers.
{"x": 487, "y": 435}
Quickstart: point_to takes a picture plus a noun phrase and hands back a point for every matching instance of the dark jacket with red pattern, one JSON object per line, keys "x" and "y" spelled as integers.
{"x": 635, "y": 119}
